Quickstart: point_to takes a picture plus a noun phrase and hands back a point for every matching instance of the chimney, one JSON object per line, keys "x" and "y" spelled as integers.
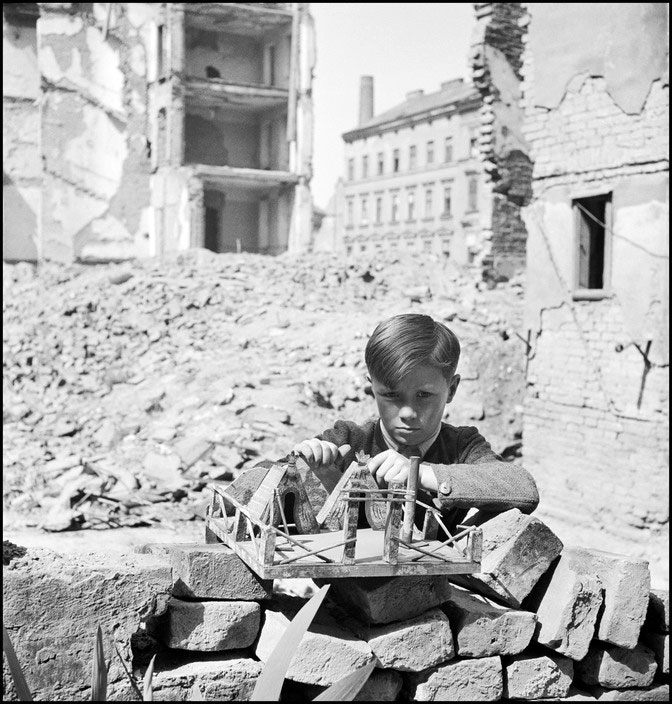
{"x": 365, "y": 99}
{"x": 415, "y": 94}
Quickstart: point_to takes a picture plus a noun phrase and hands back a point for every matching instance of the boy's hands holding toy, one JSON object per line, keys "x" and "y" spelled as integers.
{"x": 320, "y": 452}
{"x": 391, "y": 466}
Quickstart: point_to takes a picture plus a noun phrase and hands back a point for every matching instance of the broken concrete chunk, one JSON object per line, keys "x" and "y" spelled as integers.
{"x": 615, "y": 667}
{"x": 468, "y": 680}
{"x": 658, "y": 611}
{"x": 538, "y": 676}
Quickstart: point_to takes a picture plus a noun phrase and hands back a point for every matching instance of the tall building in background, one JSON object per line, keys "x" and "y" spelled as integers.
{"x": 413, "y": 179}
{"x": 136, "y": 129}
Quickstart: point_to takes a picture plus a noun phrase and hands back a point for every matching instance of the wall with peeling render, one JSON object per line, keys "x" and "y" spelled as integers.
{"x": 596, "y": 427}
{"x": 20, "y": 140}
{"x": 94, "y": 135}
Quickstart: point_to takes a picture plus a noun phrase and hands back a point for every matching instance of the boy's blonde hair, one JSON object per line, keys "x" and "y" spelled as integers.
{"x": 408, "y": 340}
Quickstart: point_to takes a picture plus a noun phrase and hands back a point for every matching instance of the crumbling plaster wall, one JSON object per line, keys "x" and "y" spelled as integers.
{"x": 94, "y": 140}
{"x": 596, "y": 424}
{"x": 237, "y": 59}
{"x": 20, "y": 132}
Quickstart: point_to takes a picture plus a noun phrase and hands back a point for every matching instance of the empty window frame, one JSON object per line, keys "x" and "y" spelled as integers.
{"x": 472, "y": 195}
{"x": 410, "y": 201}
{"x": 395, "y": 208}
{"x": 592, "y": 218}
{"x": 448, "y": 150}
{"x": 429, "y": 202}
{"x": 351, "y": 169}
{"x": 350, "y": 212}
{"x": 364, "y": 210}
{"x": 447, "y": 201}
{"x": 395, "y": 161}
{"x": 379, "y": 209}
{"x": 430, "y": 152}
{"x": 365, "y": 166}
{"x": 412, "y": 157}
{"x": 381, "y": 163}
{"x": 473, "y": 143}
{"x": 161, "y": 52}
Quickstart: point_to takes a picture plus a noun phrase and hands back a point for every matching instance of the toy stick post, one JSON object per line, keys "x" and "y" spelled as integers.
{"x": 411, "y": 496}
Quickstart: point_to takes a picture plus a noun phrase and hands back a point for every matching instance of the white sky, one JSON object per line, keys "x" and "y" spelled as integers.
{"x": 403, "y": 46}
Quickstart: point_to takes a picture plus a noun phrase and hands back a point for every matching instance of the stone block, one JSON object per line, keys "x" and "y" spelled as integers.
{"x": 215, "y": 572}
{"x": 327, "y": 652}
{"x": 212, "y": 625}
{"x": 386, "y": 599}
{"x": 53, "y": 604}
{"x": 229, "y": 677}
{"x": 462, "y": 680}
{"x": 655, "y": 693}
{"x": 482, "y": 628}
{"x": 517, "y": 550}
{"x": 567, "y": 600}
{"x": 537, "y": 676}
{"x": 626, "y": 582}
{"x": 658, "y": 611}
{"x": 614, "y": 667}
{"x": 412, "y": 645}
{"x": 659, "y": 643}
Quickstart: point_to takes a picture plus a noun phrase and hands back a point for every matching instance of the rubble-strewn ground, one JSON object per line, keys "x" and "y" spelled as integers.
{"x": 127, "y": 387}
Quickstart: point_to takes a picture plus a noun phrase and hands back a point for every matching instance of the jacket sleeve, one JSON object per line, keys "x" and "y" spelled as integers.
{"x": 481, "y": 479}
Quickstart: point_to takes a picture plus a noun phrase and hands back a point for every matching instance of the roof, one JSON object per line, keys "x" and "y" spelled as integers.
{"x": 453, "y": 94}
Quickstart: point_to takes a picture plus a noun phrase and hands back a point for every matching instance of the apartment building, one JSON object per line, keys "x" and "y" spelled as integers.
{"x": 138, "y": 129}
{"x": 412, "y": 177}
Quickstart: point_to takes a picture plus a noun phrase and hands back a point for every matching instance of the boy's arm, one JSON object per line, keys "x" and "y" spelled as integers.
{"x": 481, "y": 479}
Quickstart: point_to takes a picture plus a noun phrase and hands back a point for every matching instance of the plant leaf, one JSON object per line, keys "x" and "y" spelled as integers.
{"x": 148, "y": 692}
{"x": 346, "y": 689}
{"x": 22, "y": 691}
{"x": 99, "y": 673}
{"x": 272, "y": 677}
{"x": 134, "y": 684}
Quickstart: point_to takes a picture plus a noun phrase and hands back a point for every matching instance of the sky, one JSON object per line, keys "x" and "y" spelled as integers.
{"x": 403, "y": 46}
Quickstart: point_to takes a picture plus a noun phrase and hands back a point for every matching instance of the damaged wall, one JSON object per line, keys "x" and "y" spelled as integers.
{"x": 20, "y": 138}
{"x": 596, "y": 425}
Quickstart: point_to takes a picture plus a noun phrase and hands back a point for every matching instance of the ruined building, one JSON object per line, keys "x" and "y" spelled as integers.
{"x": 137, "y": 129}
{"x": 592, "y": 119}
{"x": 413, "y": 179}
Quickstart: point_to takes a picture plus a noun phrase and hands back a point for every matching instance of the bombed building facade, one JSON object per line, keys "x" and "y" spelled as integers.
{"x": 136, "y": 129}
{"x": 592, "y": 120}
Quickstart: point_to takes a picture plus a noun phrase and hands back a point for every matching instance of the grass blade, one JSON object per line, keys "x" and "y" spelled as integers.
{"x": 134, "y": 685}
{"x": 272, "y": 677}
{"x": 148, "y": 692}
{"x": 99, "y": 674}
{"x": 346, "y": 689}
{"x": 22, "y": 691}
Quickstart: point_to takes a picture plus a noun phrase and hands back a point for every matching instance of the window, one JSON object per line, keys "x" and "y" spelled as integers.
{"x": 412, "y": 157}
{"x": 472, "y": 202}
{"x": 365, "y": 167}
{"x": 447, "y": 201}
{"x": 161, "y": 52}
{"x": 592, "y": 222}
{"x": 351, "y": 169}
{"x": 379, "y": 209}
{"x": 395, "y": 207}
{"x": 395, "y": 161}
{"x": 448, "y": 150}
{"x": 429, "y": 205}
{"x": 350, "y": 212}
{"x": 473, "y": 143}
{"x": 364, "y": 211}
{"x": 430, "y": 152}
{"x": 381, "y": 163}
{"x": 410, "y": 199}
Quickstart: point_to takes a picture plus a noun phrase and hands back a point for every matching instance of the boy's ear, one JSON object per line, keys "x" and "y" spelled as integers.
{"x": 452, "y": 387}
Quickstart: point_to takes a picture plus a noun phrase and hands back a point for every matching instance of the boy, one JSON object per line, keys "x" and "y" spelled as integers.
{"x": 412, "y": 363}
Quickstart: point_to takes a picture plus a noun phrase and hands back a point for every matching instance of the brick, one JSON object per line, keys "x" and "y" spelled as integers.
{"x": 482, "y": 628}
{"x": 327, "y": 652}
{"x": 517, "y": 550}
{"x": 413, "y": 645}
{"x": 659, "y": 643}
{"x": 656, "y": 693}
{"x": 626, "y": 582}
{"x": 658, "y": 611}
{"x": 567, "y": 600}
{"x": 229, "y": 677}
{"x": 211, "y": 571}
{"x": 382, "y": 686}
{"x": 612, "y": 666}
{"x": 460, "y": 680}
{"x": 386, "y": 599}
{"x": 537, "y": 676}
{"x": 212, "y": 625}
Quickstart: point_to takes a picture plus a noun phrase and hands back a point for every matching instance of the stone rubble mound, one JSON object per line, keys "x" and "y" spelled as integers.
{"x": 127, "y": 387}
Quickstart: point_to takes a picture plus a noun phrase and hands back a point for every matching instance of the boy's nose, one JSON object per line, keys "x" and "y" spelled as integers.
{"x": 407, "y": 412}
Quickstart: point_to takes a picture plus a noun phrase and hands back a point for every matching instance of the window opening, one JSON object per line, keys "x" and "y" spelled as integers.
{"x": 395, "y": 161}
{"x": 592, "y": 215}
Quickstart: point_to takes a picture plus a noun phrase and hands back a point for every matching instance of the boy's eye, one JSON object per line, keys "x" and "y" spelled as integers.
{"x": 389, "y": 394}
{"x": 424, "y": 394}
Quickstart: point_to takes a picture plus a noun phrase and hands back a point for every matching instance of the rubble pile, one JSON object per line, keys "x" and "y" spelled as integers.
{"x": 129, "y": 386}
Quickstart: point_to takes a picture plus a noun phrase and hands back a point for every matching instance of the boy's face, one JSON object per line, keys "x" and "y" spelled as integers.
{"x": 412, "y": 410}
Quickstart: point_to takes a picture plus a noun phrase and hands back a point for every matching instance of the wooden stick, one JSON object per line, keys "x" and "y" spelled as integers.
{"x": 316, "y": 553}
{"x": 298, "y": 544}
{"x": 411, "y": 496}
{"x": 424, "y": 552}
{"x": 282, "y": 512}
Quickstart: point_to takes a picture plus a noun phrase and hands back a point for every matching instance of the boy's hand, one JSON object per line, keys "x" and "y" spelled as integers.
{"x": 320, "y": 452}
{"x": 389, "y": 466}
